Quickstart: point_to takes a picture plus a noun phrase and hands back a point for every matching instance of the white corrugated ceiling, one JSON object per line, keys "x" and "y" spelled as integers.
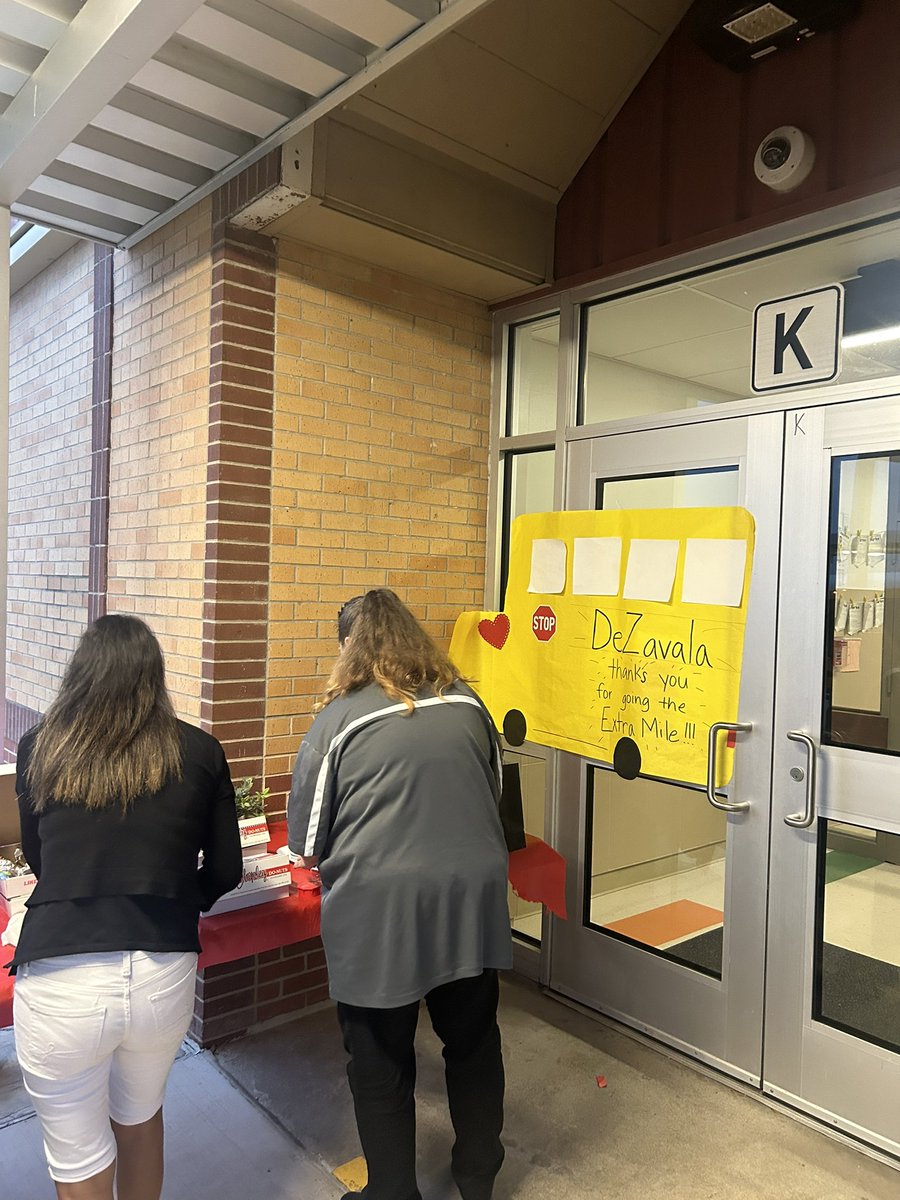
{"x": 114, "y": 111}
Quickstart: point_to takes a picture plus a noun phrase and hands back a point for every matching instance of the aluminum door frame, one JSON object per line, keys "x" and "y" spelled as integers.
{"x": 849, "y": 1083}
{"x": 717, "y": 1021}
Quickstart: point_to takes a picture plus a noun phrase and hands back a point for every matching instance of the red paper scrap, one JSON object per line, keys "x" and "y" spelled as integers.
{"x": 305, "y": 880}
{"x": 538, "y": 873}
{"x": 601, "y": 1081}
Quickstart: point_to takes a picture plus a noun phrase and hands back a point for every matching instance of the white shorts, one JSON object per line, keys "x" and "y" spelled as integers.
{"x": 96, "y": 1036}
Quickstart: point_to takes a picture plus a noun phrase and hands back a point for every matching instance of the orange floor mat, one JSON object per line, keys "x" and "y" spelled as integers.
{"x": 668, "y": 923}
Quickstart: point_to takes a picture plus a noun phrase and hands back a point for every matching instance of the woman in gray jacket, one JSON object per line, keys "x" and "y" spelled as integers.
{"x": 395, "y": 794}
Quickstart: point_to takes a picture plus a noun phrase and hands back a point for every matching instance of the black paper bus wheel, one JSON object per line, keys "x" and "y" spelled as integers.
{"x": 514, "y": 727}
{"x": 627, "y": 759}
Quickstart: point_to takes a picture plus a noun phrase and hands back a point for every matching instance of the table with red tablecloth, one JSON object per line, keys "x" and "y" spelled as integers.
{"x": 246, "y": 931}
{"x": 536, "y": 873}
{"x": 226, "y": 937}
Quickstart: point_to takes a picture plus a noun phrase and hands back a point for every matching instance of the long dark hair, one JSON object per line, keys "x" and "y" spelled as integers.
{"x": 111, "y": 733}
{"x": 387, "y": 646}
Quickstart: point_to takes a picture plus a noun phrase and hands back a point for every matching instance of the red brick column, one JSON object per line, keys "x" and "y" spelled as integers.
{"x": 101, "y": 393}
{"x": 238, "y": 514}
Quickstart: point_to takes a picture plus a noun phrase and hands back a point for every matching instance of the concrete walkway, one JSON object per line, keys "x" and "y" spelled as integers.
{"x": 270, "y": 1116}
{"x": 219, "y": 1145}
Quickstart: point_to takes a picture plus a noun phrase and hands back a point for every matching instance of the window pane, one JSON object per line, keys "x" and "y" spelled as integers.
{"x": 858, "y": 948}
{"x": 534, "y": 352}
{"x": 715, "y": 487}
{"x": 528, "y": 488}
{"x": 673, "y": 348}
{"x": 657, "y": 868}
{"x": 656, "y": 850}
{"x": 689, "y": 344}
{"x": 860, "y": 709}
{"x": 531, "y": 482}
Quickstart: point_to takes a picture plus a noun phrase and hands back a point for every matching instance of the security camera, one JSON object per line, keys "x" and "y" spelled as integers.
{"x": 784, "y": 158}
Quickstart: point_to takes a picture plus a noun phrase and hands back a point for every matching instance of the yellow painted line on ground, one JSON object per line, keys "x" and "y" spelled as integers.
{"x": 353, "y": 1174}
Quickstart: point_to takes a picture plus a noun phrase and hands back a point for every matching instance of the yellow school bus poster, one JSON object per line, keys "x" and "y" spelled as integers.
{"x": 621, "y": 637}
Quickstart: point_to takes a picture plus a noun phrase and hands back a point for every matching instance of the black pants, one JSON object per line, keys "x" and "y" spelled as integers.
{"x": 382, "y": 1074}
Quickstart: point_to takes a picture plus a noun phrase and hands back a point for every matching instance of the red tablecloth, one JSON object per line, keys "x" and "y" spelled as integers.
{"x": 225, "y": 937}
{"x": 264, "y": 927}
{"x": 6, "y": 983}
{"x": 536, "y": 873}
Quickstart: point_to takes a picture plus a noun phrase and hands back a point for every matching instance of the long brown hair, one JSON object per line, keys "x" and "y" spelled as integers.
{"x": 382, "y": 642}
{"x": 111, "y": 733}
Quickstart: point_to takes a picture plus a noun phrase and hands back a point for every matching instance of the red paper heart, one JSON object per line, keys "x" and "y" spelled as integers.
{"x": 495, "y": 632}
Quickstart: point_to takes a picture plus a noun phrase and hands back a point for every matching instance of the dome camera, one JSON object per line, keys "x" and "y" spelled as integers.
{"x": 784, "y": 158}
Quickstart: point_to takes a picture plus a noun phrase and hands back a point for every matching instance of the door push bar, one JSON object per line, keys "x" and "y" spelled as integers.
{"x": 807, "y": 817}
{"x": 714, "y": 731}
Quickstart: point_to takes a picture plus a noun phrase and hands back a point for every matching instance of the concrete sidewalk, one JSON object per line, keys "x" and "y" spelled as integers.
{"x": 270, "y": 1116}
{"x": 219, "y": 1145}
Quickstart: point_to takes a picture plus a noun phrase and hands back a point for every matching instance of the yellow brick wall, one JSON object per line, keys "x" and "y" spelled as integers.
{"x": 380, "y": 464}
{"x": 158, "y": 451}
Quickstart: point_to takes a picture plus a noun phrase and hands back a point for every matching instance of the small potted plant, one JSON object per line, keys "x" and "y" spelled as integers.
{"x": 251, "y": 810}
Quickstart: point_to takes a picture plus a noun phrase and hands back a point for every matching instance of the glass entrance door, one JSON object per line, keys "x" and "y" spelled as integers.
{"x": 833, "y": 987}
{"x": 667, "y": 895}
{"x": 765, "y": 941}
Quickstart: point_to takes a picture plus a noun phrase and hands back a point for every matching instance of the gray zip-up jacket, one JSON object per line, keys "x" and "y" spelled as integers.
{"x": 402, "y": 811}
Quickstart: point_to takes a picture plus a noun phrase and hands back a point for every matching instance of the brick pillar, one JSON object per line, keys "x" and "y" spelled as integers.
{"x": 238, "y": 511}
{"x": 101, "y": 393}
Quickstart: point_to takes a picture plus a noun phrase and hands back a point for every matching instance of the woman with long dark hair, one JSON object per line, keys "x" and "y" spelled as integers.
{"x": 117, "y": 799}
{"x": 395, "y": 793}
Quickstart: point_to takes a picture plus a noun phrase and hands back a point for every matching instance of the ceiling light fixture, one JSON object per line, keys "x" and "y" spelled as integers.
{"x": 760, "y": 23}
{"x": 888, "y": 333}
{"x": 738, "y": 33}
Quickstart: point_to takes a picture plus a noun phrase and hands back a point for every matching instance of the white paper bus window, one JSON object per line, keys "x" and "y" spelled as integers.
{"x": 597, "y": 566}
{"x": 713, "y": 568}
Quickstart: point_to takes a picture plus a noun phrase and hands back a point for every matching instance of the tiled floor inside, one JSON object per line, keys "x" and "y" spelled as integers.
{"x": 862, "y": 899}
{"x": 861, "y": 911}
{"x": 682, "y": 914}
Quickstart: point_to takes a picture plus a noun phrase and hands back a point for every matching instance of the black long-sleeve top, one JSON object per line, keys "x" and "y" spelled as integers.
{"x": 128, "y": 879}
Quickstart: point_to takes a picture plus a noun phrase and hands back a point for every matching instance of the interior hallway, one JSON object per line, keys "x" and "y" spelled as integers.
{"x": 269, "y": 1115}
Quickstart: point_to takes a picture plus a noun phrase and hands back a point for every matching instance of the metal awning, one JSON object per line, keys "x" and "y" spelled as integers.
{"x": 431, "y": 137}
{"x": 118, "y": 113}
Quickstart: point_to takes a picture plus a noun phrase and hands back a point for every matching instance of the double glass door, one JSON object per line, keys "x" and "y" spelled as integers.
{"x": 764, "y": 940}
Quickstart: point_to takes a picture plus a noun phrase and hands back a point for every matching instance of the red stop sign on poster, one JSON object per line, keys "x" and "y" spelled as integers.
{"x": 543, "y": 623}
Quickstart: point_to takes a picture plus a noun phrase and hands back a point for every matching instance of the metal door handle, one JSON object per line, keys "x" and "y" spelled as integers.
{"x": 722, "y": 805}
{"x": 807, "y": 817}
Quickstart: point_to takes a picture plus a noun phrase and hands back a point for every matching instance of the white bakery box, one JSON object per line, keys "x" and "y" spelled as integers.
{"x": 266, "y": 877}
{"x": 254, "y": 836}
{"x": 15, "y": 891}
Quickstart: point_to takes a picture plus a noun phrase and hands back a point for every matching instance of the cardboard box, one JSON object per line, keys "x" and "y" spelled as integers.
{"x": 254, "y": 836}
{"x": 17, "y": 885}
{"x": 262, "y": 878}
{"x": 13, "y": 907}
{"x": 14, "y": 892}
{"x": 235, "y": 900}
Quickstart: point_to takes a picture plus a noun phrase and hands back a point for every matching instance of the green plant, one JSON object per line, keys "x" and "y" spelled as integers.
{"x": 250, "y": 803}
